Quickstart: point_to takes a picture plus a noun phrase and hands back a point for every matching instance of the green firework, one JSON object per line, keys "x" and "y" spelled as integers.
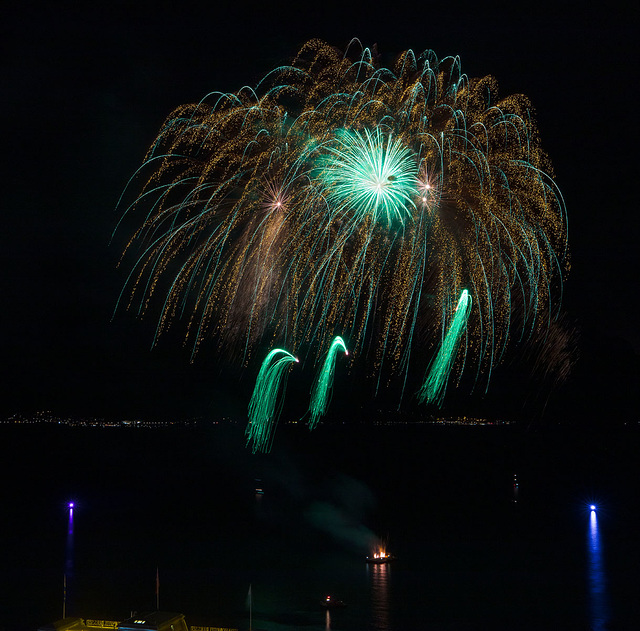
{"x": 368, "y": 174}
{"x": 266, "y": 404}
{"x": 321, "y": 391}
{"x": 340, "y": 195}
{"x": 435, "y": 384}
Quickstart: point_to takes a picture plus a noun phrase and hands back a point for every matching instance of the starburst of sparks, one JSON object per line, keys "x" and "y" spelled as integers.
{"x": 340, "y": 195}
{"x": 368, "y": 174}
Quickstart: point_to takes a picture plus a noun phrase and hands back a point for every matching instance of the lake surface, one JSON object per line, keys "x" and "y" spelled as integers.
{"x": 491, "y": 527}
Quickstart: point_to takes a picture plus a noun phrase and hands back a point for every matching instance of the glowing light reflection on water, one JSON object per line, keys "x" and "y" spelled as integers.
{"x": 598, "y": 602}
{"x": 67, "y": 607}
{"x": 379, "y": 574}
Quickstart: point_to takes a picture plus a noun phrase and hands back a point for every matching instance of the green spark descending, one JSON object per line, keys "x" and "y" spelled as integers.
{"x": 341, "y": 195}
{"x": 321, "y": 391}
{"x": 436, "y": 382}
{"x": 265, "y": 405}
{"x": 370, "y": 174}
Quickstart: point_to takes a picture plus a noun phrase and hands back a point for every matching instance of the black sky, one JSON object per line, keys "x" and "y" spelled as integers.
{"x": 86, "y": 89}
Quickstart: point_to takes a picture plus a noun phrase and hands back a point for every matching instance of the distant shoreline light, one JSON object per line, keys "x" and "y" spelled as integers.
{"x": 383, "y": 419}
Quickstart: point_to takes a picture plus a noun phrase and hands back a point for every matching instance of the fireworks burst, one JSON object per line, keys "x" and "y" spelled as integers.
{"x": 321, "y": 391}
{"x": 266, "y": 403}
{"x": 436, "y": 380}
{"x": 340, "y": 196}
{"x": 370, "y": 175}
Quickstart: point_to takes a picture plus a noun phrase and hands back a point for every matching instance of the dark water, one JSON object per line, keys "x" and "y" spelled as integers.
{"x": 474, "y": 551}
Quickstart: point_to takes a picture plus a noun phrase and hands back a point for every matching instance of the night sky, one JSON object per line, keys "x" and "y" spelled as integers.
{"x": 85, "y": 90}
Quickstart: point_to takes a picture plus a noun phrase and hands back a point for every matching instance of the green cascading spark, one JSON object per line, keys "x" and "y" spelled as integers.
{"x": 342, "y": 195}
{"x": 321, "y": 391}
{"x": 266, "y": 404}
{"x": 370, "y": 174}
{"x": 435, "y": 384}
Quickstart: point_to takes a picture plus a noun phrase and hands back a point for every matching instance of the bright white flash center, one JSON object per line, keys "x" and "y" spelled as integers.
{"x": 370, "y": 174}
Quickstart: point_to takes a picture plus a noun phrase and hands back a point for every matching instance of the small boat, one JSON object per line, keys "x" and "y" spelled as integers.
{"x": 381, "y": 556}
{"x": 332, "y": 603}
